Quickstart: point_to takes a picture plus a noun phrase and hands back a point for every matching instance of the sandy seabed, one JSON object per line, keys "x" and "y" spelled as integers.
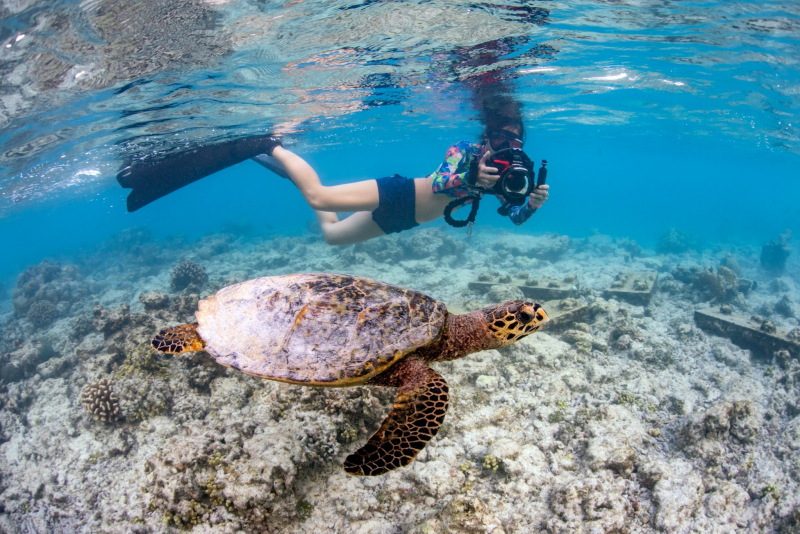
{"x": 627, "y": 418}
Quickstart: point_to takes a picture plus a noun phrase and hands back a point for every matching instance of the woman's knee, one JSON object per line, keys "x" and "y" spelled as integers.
{"x": 332, "y": 235}
{"x": 317, "y": 197}
{"x": 338, "y": 240}
{"x": 329, "y": 235}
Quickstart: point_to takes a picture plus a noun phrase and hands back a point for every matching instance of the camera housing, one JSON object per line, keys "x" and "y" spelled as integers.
{"x": 516, "y": 180}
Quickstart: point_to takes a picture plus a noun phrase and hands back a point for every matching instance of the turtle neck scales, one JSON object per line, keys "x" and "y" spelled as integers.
{"x": 462, "y": 334}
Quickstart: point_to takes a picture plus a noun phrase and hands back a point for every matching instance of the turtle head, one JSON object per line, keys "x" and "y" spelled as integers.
{"x": 178, "y": 339}
{"x": 511, "y": 321}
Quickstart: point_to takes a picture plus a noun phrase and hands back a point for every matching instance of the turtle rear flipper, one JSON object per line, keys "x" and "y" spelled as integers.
{"x": 178, "y": 339}
{"x": 417, "y": 414}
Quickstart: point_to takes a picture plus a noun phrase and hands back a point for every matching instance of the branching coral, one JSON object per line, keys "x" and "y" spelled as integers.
{"x": 188, "y": 274}
{"x": 100, "y": 401}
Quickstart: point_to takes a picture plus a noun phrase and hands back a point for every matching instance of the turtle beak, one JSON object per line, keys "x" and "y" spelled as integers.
{"x": 533, "y": 315}
{"x": 514, "y": 320}
{"x": 529, "y": 318}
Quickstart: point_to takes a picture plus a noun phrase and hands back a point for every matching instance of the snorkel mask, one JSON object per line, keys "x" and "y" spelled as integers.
{"x": 500, "y": 139}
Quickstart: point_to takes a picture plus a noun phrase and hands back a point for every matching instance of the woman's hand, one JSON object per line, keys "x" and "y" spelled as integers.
{"x": 538, "y": 196}
{"x": 487, "y": 175}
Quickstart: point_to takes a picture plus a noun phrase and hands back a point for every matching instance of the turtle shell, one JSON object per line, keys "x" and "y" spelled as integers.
{"x": 323, "y": 329}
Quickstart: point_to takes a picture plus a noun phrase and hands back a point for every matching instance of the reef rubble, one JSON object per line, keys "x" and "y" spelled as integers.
{"x": 627, "y": 418}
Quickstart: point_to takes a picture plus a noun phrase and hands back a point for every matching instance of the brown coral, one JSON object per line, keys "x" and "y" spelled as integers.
{"x": 100, "y": 401}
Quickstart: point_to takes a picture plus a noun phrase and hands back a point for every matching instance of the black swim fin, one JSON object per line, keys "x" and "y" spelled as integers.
{"x": 150, "y": 180}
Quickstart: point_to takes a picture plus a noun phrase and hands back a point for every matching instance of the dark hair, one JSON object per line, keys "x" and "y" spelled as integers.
{"x": 500, "y": 111}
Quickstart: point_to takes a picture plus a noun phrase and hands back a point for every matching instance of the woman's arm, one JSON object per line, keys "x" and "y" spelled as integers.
{"x": 454, "y": 172}
{"x": 522, "y": 212}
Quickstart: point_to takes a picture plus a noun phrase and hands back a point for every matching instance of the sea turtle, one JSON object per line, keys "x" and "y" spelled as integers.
{"x": 338, "y": 330}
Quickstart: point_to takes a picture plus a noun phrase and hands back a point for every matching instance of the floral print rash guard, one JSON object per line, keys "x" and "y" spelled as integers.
{"x": 452, "y": 177}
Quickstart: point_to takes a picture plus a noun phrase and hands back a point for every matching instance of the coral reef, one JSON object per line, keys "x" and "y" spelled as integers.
{"x": 673, "y": 241}
{"x": 430, "y": 243}
{"x": 785, "y": 307}
{"x": 154, "y": 300}
{"x": 45, "y": 292}
{"x": 219, "y": 474}
{"x": 188, "y": 274}
{"x": 109, "y": 322}
{"x": 42, "y": 313}
{"x": 22, "y": 362}
{"x": 544, "y": 247}
{"x": 216, "y": 244}
{"x": 794, "y": 334}
{"x": 427, "y": 243}
{"x": 626, "y": 418}
{"x": 775, "y": 253}
{"x": 719, "y": 285}
{"x": 596, "y": 503}
{"x": 728, "y": 423}
{"x": 142, "y": 398}
{"x": 99, "y": 400}
{"x": 137, "y": 250}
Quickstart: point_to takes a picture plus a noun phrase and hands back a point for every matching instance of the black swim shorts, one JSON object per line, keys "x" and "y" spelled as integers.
{"x": 396, "y": 200}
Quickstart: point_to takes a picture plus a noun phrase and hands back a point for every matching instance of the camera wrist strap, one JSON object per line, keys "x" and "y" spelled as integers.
{"x": 475, "y": 198}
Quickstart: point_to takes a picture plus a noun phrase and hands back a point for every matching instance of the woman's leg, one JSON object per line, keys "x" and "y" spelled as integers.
{"x": 361, "y": 197}
{"x": 353, "y": 229}
{"x": 355, "y": 196}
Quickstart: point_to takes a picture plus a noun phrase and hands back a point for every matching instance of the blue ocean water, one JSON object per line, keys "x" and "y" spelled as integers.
{"x": 652, "y": 115}
{"x": 718, "y": 192}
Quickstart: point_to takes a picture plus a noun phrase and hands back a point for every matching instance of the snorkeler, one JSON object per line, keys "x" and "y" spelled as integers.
{"x": 395, "y": 203}
{"x": 496, "y": 166}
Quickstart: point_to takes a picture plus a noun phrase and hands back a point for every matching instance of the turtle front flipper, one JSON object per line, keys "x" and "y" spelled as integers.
{"x": 417, "y": 414}
{"x": 178, "y": 339}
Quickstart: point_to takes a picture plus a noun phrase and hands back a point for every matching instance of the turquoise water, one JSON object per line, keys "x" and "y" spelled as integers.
{"x": 653, "y": 115}
{"x": 719, "y": 192}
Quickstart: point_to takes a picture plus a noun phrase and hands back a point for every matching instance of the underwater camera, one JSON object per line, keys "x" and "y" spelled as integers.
{"x": 516, "y": 180}
{"x": 514, "y": 185}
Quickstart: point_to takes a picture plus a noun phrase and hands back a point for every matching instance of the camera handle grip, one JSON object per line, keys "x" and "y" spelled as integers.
{"x": 541, "y": 179}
